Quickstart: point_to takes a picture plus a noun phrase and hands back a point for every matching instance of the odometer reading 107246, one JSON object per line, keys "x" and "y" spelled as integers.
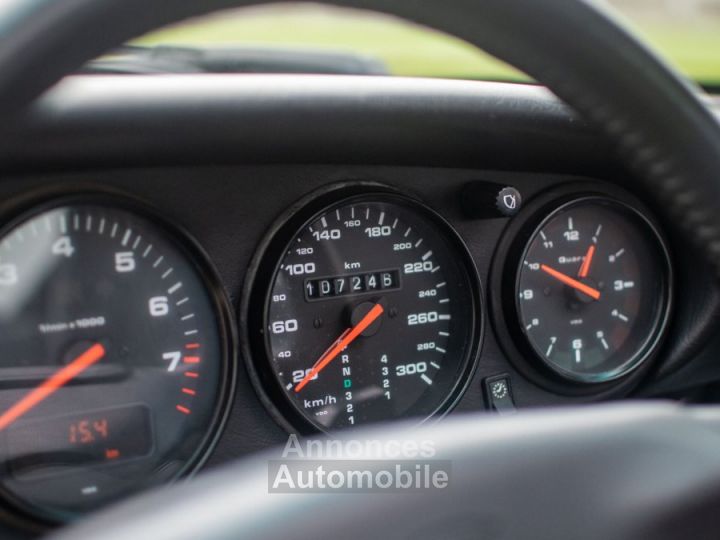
{"x": 371, "y": 313}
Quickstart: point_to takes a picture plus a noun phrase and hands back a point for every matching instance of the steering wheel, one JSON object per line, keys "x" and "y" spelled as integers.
{"x": 643, "y": 471}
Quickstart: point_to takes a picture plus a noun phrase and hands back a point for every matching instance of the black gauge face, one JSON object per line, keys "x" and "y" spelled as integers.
{"x": 372, "y": 314}
{"x": 114, "y": 357}
{"x": 592, "y": 290}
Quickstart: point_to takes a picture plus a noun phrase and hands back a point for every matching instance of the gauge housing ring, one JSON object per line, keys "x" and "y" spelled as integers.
{"x": 260, "y": 277}
{"x": 503, "y": 281}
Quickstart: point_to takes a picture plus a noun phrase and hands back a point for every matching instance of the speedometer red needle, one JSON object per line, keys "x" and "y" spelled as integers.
{"x": 575, "y": 284}
{"x": 585, "y": 268}
{"x": 52, "y": 384}
{"x": 343, "y": 341}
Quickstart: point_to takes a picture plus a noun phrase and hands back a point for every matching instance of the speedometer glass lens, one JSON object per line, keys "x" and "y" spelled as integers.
{"x": 114, "y": 356}
{"x": 371, "y": 313}
{"x": 593, "y": 290}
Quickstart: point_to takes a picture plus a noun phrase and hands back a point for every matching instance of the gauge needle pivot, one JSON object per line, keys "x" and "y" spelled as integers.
{"x": 52, "y": 384}
{"x": 570, "y": 282}
{"x": 587, "y": 261}
{"x": 347, "y": 337}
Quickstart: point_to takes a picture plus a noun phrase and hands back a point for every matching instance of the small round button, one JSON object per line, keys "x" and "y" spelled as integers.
{"x": 508, "y": 201}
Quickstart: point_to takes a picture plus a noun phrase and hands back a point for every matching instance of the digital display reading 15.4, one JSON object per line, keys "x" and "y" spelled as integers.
{"x": 81, "y": 439}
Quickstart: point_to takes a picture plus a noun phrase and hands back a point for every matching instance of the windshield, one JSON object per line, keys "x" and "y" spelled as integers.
{"x": 687, "y": 32}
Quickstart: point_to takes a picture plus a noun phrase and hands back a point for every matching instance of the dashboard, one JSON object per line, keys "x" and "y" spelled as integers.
{"x": 200, "y": 282}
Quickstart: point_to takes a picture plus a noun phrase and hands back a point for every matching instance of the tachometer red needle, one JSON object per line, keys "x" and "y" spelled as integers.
{"x": 52, "y": 384}
{"x": 575, "y": 284}
{"x": 585, "y": 268}
{"x": 345, "y": 339}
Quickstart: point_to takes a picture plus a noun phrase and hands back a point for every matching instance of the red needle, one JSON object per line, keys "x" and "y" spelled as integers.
{"x": 347, "y": 337}
{"x": 585, "y": 268}
{"x": 575, "y": 284}
{"x": 52, "y": 384}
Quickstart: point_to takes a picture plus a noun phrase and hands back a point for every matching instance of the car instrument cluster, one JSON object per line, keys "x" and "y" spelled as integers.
{"x": 362, "y": 304}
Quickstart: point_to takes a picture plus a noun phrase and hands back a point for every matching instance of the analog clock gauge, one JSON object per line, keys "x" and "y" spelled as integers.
{"x": 592, "y": 290}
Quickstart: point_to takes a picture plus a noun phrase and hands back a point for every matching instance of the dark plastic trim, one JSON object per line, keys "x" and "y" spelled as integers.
{"x": 123, "y": 121}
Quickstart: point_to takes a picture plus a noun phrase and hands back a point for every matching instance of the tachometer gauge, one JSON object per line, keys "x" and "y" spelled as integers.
{"x": 371, "y": 311}
{"x": 115, "y": 355}
{"x": 592, "y": 289}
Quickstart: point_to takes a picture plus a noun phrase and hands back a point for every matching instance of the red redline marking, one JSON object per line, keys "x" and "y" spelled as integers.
{"x": 188, "y": 391}
{"x": 191, "y": 359}
{"x": 191, "y": 374}
{"x": 192, "y": 346}
{"x": 182, "y": 409}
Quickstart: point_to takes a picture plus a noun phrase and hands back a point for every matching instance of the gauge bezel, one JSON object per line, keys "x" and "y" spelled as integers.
{"x": 27, "y": 206}
{"x": 263, "y": 270}
{"x": 504, "y": 303}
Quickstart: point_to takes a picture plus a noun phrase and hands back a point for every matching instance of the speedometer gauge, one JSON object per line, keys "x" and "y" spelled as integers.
{"x": 592, "y": 289}
{"x": 115, "y": 352}
{"x": 371, "y": 312}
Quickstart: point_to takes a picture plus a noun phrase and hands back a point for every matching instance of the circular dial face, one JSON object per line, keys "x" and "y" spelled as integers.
{"x": 592, "y": 289}
{"x": 113, "y": 357}
{"x": 371, "y": 314}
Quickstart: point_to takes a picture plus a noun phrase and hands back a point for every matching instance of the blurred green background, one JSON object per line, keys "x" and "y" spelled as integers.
{"x": 687, "y": 32}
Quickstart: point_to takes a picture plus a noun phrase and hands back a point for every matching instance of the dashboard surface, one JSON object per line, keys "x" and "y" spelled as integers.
{"x": 225, "y": 158}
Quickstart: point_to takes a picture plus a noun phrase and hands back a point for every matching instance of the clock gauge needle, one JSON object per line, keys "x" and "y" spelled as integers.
{"x": 570, "y": 282}
{"x": 587, "y": 261}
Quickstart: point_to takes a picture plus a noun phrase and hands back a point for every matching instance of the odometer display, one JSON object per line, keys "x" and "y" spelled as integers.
{"x": 371, "y": 313}
{"x": 592, "y": 290}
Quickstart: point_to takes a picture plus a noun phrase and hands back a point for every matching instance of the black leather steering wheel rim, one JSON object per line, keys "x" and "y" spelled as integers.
{"x": 620, "y": 472}
{"x": 662, "y": 130}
